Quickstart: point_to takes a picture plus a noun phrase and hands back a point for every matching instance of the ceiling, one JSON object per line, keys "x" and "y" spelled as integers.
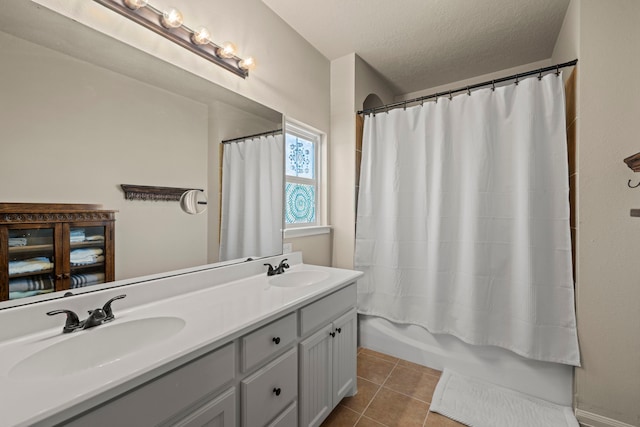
{"x": 419, "y": 44}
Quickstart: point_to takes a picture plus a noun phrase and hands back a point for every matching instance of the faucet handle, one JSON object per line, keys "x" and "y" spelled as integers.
{"x": 271, "y": 271}
{"x": 107, "y": 308}
{"x": 72, "y": 323}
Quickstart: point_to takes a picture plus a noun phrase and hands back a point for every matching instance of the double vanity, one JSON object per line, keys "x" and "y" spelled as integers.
{"x": 228, "y": 346}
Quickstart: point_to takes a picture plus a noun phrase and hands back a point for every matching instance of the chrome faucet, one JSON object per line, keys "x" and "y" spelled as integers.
{"x": 277, "y": 270}
{"x": 96, "y": 317}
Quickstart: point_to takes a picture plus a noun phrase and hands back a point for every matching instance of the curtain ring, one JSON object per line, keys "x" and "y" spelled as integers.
{"x": 450, "y": 97}
{"x": 405, "y": 105}
{"x": 422, "y": 102}
{"x": 517, "y": 79}
{"x": 468, "y": 91}
{"x": 557, "y": 70}
{"x": 540, "y": 74}
{"x": 493, "y": 85}
{"x": 387, "y": 109}
{"x": 436, "y": 99}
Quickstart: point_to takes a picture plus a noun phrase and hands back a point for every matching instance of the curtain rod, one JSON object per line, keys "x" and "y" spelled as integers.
{"x": 468, "y": 89}
{"x": 242, "y": 138}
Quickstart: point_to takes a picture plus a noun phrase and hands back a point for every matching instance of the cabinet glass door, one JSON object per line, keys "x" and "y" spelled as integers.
{"x": 31, "y": 262}
{"x": 87, "y": 255}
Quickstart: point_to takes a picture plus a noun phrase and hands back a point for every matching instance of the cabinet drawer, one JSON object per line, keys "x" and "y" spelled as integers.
{"x": 289, "y": 418}
{"x": 154, "y": 402}
{"x": 267, "y": 392}
{"x": 266, "y": 341}
{"x": 320, "y": 312}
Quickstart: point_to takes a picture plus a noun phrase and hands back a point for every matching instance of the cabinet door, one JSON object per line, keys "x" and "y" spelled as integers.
{"x": 88, "y": 254}
{"x": 221, "y": 412}
{"x": 344, "y": 356}
{"x": 315, "y": 397}
{"x": 32, "y": 264}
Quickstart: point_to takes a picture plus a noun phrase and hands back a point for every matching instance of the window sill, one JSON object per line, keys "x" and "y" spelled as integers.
{"x": 306, "y": 231}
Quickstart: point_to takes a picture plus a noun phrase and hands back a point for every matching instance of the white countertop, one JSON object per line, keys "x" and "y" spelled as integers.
{"x": 213, "y": 316}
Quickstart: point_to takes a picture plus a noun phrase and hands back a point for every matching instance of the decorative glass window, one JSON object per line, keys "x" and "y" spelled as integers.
{"x": 301, "y": 188}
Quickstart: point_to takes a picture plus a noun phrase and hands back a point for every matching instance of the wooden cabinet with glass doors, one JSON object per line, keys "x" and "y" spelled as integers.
{"x": 53, "y": 247}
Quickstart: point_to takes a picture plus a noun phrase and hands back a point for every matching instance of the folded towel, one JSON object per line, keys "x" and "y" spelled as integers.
{"x": 32, "y": 283}
{"x": 85, "y": 256}
{"x": 17, "y": 295}
{"x": 96, "y": 238}
{"x": 17, "y": 241}
{"x": 30, "y": 265}
{"x": 80, "y": 280}
{"x": 91, "y": 259}
{"x": 76, "y": 235}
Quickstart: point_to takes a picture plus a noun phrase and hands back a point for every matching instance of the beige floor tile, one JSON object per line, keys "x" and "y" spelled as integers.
{"x": 380, "y": 355}
{"x": 366, "y": 391}
{"x": 414, "y": 383}
{"x": 422, "y": 368}
{"x": 341, "y": 416}
{"x": 437, "y": 420}
{"x": 368, "y": 422}
{"x": 373, "y": 368}
{"x": 396, "y": 410}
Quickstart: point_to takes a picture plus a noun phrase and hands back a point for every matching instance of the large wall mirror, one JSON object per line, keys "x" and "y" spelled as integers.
{"x": 82, "y": 113}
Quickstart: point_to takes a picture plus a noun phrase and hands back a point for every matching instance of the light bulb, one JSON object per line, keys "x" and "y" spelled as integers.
{"x": 227, "y": 50}
{"x": 172, "y": 18}
{"x": 248, "y": 64}
{"x": 201, "y": 36}
{"x": 135, "y": 4}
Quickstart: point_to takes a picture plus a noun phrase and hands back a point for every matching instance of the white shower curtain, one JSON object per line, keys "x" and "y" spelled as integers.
{"x": 463, "y": 219}
{"x": 252, "y": 185}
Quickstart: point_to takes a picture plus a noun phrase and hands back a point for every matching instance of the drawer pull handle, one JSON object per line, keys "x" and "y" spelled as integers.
{"x": 338, "y": 330}
{"x": 333, "y": 334}
{"x": 277, "y": 391}
{"x": 276, "y": 340}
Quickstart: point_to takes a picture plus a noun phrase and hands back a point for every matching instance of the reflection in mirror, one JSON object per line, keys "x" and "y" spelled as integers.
{"x": 82, "y": 113}
{"x": 193, "y": 202}
{"x": 252, "y": 191}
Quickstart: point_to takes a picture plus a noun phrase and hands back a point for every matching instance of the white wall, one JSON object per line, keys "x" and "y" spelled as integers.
{"x": 352, "y": 80}
{"x": 73, "y": 132}
{"x": 605, "y": 35}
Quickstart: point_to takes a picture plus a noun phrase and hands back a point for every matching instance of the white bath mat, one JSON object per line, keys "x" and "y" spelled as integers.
{"x": 479, "y": 404}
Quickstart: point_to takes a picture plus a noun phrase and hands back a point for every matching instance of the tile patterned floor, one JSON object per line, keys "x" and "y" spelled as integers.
{"x": 391, "y": 393}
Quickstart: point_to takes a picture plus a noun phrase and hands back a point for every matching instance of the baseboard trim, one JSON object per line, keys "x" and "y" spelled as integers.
{"x": 589, "y": 419}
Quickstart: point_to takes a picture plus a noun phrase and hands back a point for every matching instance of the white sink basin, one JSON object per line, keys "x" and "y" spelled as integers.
{"x": 292, "y": 279}
{"x": 96, "y": 347}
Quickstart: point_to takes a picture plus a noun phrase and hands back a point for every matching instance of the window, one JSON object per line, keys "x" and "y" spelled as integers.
{"x": 301, "y": 176}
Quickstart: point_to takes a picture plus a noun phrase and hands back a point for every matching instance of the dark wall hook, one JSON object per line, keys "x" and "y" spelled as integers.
{"x": 632, "y": 186}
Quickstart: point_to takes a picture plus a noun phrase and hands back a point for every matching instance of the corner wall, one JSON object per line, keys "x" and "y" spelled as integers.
{"x": 607, "y": 292}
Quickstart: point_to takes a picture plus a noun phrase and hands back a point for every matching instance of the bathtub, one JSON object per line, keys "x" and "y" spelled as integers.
{"x": 550, "y": 381}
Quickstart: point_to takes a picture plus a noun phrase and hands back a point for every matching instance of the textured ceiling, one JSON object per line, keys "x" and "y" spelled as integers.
{"x": 419, "y": 44}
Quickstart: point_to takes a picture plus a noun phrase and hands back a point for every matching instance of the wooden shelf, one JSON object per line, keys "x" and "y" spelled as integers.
{"x": 30, "y": 248}
{"x": 31, "y": 273}
{"x": 85, "y": 266}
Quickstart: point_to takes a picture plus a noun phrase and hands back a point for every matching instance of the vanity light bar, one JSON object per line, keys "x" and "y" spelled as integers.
{"x": 169, "y": 25}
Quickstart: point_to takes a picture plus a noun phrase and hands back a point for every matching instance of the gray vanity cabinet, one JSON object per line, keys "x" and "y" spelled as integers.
{"x": 290, "y": 372}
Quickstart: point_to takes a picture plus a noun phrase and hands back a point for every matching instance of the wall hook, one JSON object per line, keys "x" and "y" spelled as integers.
{"x": 633, "y": 186}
